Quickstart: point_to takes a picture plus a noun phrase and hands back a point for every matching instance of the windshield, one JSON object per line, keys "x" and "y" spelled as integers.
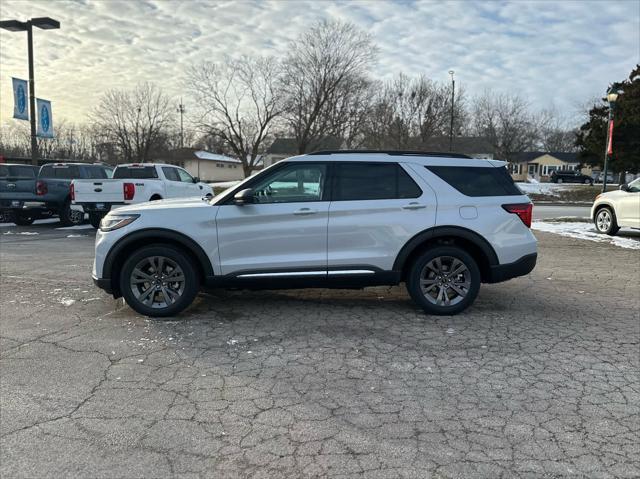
{"x": 634, "y": 186}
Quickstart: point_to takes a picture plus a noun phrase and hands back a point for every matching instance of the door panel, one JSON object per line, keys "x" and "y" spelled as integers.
{"x": 628, "y": 209}
{"x": 284, "y": 229}
{"x": 372, "y": 232}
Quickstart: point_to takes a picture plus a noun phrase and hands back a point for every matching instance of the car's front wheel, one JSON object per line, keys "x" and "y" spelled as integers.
{"x": 605, "y": 221}
{"x": 159, "y": 280}
{"x": 444, "y": 280}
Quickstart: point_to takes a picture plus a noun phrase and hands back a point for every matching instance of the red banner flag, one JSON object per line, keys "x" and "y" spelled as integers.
{"x": 610, "y": 139}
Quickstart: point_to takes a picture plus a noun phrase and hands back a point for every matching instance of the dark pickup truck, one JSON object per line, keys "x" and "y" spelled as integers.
{"x": 18, "y": 202}
{"x": 49, "y": 191}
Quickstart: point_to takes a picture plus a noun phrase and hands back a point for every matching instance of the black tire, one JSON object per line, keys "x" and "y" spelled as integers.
{"x": 559, "y": 180}
{"x": 133, "y": 294}
{"x": 605, "y": 221}
{"x": 95, "y": 218}
{"x": 447, "y": 255}
{"x": 24, "y": 218}
{"x": 70, "y": 217}
{"x": 587, "y": 182}
{"x": 7, "y": 216}
{"x": 155, "y": 198}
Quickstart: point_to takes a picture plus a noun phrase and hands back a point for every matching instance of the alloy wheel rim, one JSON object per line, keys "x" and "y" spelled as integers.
{"x": 445, "y": 281}
{"x": 76, "y": 216}
{"x": 157, "y": 282}
{"x": 604, "y": 220}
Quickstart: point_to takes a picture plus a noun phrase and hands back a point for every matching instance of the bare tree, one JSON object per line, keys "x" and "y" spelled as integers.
{"x": 408, "y": 112}
{"x": 554, "y": 133}
{"x": 506, "y": 122}
{"x": 134, "y": 120}
{"x": 238, "y": 103}
{"x": 325, "y": 73}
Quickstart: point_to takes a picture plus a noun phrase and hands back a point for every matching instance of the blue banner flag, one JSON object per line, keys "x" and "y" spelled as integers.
{"x": 45, "y": 120}
{"x": 20, "y": 99}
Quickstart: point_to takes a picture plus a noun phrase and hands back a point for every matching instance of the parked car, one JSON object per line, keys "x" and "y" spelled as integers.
{"x": 135, "y": 183}
{"x": 598, "y": 177}
{"x": 18, "y": 193}
{"x": 441, "y": 223}
{"x": 570, "y": 176}
{"x": 53, "y": 187}
{"x": 614, "y": 209}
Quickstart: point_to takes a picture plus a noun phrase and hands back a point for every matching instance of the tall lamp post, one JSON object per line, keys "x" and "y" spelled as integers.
{"x": 453, "y": 96}
{"x": 612, "y": 96}
{"x": 45, "y": 23}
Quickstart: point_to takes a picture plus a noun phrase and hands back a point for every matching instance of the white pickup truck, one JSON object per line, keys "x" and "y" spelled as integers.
{"x": 135, "y": 183}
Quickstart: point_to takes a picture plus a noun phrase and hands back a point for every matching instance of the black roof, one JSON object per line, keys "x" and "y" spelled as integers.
{"x": 526, "y": 156}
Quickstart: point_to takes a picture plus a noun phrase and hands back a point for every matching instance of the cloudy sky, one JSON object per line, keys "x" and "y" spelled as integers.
{"x": 559, "y": 53}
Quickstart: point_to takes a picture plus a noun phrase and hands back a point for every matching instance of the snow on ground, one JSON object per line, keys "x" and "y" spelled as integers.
{"x": 36, "y": 222}
{"x": 550, "y": 189}
{"x": 77, "y": 227}
{"x": 585, "y": 231}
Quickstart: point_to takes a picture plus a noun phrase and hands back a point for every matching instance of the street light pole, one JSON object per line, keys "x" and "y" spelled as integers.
{"x": 44, "y": 23}
{"x": 612, "y": 96}
{"x": 32, "y": 96}
{"x": 453, "y": 96}
{"x": 181, "y": 111}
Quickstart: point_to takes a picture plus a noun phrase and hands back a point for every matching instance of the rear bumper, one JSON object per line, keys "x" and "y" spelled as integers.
{"x": 503, "y": 272}
{"x": 103, "y": 283}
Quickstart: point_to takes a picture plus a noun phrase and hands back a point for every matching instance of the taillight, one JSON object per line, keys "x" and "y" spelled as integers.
{"x": 41, "y": 188}
{"x": 523, "y": 210}
{"x": 129, "y": 190}
{"x": 72, "y": 192}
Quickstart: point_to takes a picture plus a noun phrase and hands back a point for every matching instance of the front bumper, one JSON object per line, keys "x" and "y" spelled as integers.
{"x": 504, "y": 272}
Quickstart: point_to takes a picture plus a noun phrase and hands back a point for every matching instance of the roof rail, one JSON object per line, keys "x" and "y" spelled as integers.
{"x": 393, "y": 152}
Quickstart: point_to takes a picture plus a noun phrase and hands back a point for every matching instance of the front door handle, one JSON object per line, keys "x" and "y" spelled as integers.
{"x": 305, "y": 211}
{"x": 414, "y": 206}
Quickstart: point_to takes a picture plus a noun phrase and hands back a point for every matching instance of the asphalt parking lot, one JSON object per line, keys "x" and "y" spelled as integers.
{"x": 539, "y": 378}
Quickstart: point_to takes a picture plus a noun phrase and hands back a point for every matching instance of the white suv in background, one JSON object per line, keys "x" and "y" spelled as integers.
{"x": 614, "y": 209}
{"x": 442, "y": 223}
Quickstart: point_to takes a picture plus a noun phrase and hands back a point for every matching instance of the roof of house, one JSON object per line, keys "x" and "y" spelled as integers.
{"x": 528, "y": 156}
{"x": 289, "y": 146}
{"x": 181, "y": 154}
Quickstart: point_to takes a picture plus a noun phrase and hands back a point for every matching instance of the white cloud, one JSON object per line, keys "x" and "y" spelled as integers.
{"x": 551, "y": 52}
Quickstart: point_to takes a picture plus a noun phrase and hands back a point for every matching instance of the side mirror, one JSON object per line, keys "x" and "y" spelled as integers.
{"x": 196, "y": 179}
{"x": 244, "y": 197}
{"x": 624, "y": 187}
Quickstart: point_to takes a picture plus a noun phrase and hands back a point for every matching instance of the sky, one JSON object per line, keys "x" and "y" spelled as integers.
{"x": 555, "y": 54}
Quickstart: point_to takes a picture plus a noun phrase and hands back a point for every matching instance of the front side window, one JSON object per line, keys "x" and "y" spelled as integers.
{"x": 373, "y": 181}
{"x": 477, "y": 180}
{"x": 185, "y": 177}
{"x": 292, "y": 184}
{"x": 634, "y": 186}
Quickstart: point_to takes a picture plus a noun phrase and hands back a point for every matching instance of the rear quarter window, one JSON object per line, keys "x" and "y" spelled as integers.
{"x": 477, "y": 180}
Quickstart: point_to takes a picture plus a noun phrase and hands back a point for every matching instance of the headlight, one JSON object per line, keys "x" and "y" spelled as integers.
{"x": 110, "y": 223}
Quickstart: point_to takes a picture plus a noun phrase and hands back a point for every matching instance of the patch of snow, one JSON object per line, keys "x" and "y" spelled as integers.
{"x": 585, "y": 231}
{"x": 206, "y": 155}
{"x": 550, "y": 189}
{"x": 231, "y": 342}
{"x": 36, "y": 222}
{"x": 77, "y": 236}
{"x": 77, "y": 227}
{"x": 67, "y": 301}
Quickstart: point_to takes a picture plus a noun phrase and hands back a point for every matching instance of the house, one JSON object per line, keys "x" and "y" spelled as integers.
{"x": 207, "y": 166}
{"x": 539, "y": 165}
{"x": 282, "y": 148}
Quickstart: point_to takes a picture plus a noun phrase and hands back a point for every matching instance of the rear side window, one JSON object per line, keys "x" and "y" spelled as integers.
{"x": 477, "y": 180}
{"x": 373, "y": 181}
{"x": 135, "y": 173}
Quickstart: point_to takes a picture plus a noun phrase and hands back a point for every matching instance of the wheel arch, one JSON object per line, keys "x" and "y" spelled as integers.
{"x": 599, "y": 206}
{"x": 478, "y": 247}
{"x": 133, "y": 241}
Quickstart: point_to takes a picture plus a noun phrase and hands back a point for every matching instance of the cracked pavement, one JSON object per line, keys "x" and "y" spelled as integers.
{"x": 539, "y": 378}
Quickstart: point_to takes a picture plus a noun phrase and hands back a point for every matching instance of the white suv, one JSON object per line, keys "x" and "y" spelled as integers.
{"x": 442, "y": 223}
{"x": 614, "y": 209}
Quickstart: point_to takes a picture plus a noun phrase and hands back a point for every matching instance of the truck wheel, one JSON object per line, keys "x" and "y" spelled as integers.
{"x": 95, "y": 218}
{"x": 159, "y": 280}
{"x": 444, "y": 280}
{"x": 69, "y": 216}
{"x": 24, "y": 218}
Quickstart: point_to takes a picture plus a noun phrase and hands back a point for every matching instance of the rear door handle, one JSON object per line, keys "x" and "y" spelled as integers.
{"x": 305, "y": 211}
{"x": 414, "y": 206}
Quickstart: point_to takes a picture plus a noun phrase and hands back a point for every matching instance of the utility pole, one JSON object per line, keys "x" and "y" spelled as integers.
{"x": 453, "y": 96}
{"x": 181, "y": 111}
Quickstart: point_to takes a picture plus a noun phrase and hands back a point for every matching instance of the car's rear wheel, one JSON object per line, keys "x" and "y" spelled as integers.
{"x": 444, "y": 280}
{"x": 587, "y": 181}
{"x": 559, "y": 180}
{"x": 70, "y": 216}
{"x": 605, "y": 221}
{"x": 24, "y": 218}
{"x": 159, "y": 280}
